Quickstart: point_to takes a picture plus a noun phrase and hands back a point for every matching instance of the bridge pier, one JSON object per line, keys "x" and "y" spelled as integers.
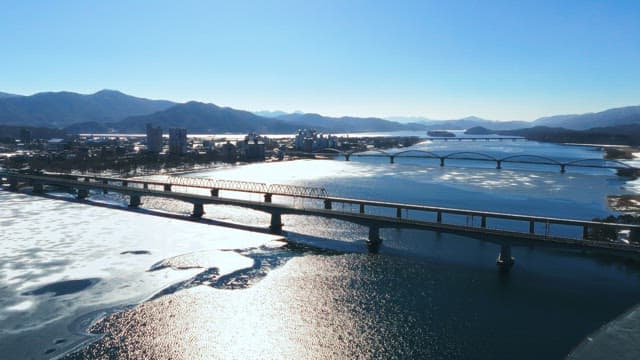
{"x": 374, "y": 235}
{"x": 267, "y": 198}
{"x": 361, "y": 208}
{"x": 38, "y": 188}
{"x": 13, "y": 184}
{"x": 327, "y": 204}
{"x": 82, "y": 194}
{"x": 439, "y": 216}
{"x": 145, "y": 186}
{"x": 276, "y": 223}
{"x": 398, "y": 213}
{"x": 346, "y": 157}
{"x": 483, "y": 222}
{"x": 391, "y": 159}
{"x": 167, "y": 187}
{"x": 532, "y": 227}
{"x": 562, "y": 168}
{"x": 125, "y": 183}
{"x": 134, "y": 201}
{"x": 105, "y": 182}
{"x": 505, "y": 261}
{"x": 441, "y": 161}
{"x": 498, "y": 164}
{"x": 215, "y": 192}
{"x": 198, "y": 210}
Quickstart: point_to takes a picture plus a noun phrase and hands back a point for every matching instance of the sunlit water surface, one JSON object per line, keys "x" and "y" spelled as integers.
{"x": 227, "y": 293}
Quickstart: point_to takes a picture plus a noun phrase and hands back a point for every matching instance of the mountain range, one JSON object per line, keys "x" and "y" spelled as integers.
{"x": 61, "y": 109}
{"x": 110, "y": 110}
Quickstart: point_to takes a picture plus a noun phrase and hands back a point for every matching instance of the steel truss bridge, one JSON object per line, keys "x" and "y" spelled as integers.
{"x": 623, "y": 168}
{"x": 521, "y": 229}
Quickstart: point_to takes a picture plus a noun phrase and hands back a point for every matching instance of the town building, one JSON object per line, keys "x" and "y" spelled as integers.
{"x": 25, "y": 136}
{"x": 252, "y": 148}
{"x": 309, "y": 140}
{"x": 228, "y": 152}
{"x": 178, "y": 141}
{"x": 154, "y": 138}
{"x": 56, "y": 145}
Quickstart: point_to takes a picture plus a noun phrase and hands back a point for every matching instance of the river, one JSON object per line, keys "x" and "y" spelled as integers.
{"x": 213, "y": 291}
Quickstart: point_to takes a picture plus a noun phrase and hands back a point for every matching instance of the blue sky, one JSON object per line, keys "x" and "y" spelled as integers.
{"x": 502, "y": 60}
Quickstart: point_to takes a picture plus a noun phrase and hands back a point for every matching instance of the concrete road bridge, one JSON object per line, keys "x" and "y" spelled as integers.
{"x": 476, "y": 138}
{"x": 374, "y": 215}
{"x": 622, "y": 168}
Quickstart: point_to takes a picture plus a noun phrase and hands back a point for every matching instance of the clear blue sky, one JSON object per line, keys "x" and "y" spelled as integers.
{"x": 440, "y": 59}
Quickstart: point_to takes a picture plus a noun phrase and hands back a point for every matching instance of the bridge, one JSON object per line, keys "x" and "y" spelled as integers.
{"x": 369, "y": 213}
{"x": 622, "y": 168}
{"x": 476, "y": 138}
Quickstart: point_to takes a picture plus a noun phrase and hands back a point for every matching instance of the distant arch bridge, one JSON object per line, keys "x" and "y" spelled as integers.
{"x": 623, "y": 169}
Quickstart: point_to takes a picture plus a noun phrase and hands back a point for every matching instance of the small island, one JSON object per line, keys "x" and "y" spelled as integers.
{"x": 440, "y": 133}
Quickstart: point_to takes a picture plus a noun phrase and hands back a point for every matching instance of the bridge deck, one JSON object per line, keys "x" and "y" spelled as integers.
{"x": 367, "y": 219}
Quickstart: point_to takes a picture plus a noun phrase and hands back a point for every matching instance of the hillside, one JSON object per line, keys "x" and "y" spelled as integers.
{"x": 619, "y": 135}
{"x": 61, "y": 109}
{"x": 7, "y": 95}
{"x": 607, "y": 118}
{"x": 204, "y": 118}
{"x": 346, "y": 123}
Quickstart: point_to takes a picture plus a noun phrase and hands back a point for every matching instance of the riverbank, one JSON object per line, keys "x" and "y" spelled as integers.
{"x": 621, "y": 152}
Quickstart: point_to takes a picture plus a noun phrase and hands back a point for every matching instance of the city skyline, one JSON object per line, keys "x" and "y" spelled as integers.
{"x": 495, "y": 60}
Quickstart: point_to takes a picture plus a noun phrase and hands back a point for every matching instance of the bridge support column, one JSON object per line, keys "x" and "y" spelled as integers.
{"x": 483, "y": 222}
{"x": 346, "y": 157}
{"x": 13, "y": 184}
{"x": 198, "y": 210}
{"x": 327, "y": 204}
{"x": 441, "y": 161}
{"x": 145, "y": 186}
{"x": 498, "y": 164}
{"x": 361, "y": 208}
{"x": 105, "y": 182}
{"x": 87, "y": 179}
{"x": 134, "y": 201}
{"x": 167, "y": 187}
{"x": 505, "y": 260}
{"x": 439, "y": 216}
{"x": 38, "y": 188}
{"x": 215, "y": 192}
{"x": 276, "y": 223}
{"x": 532, "y": 227}
{"x": 391, "y": 159}
{"x": 562, "y": 168}
{"x": 398, "y": 213}
{"x": 267, "y": 198}
{"x": 125, "y": 183}
{"x": 585, "y": 232}
{"x": 374, "y": 235}
{"x": 82, "y": 194}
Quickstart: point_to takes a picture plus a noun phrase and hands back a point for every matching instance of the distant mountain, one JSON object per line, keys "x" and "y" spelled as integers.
{"x": 607, "y": 118}
{"x": 7, "y": 95}
{"x": 60, "y": 109}
{"x": 472, "y": 121}
{"x": 628, "y": 134}
{"x": 198, "y": 117}
{"x": 270, "y": 114}
{"x": 346, "y": 123}
{"x": 411, "y": 119}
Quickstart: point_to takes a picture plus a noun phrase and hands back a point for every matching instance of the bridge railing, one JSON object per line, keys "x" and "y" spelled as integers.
{"x": 590, "y": 229}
